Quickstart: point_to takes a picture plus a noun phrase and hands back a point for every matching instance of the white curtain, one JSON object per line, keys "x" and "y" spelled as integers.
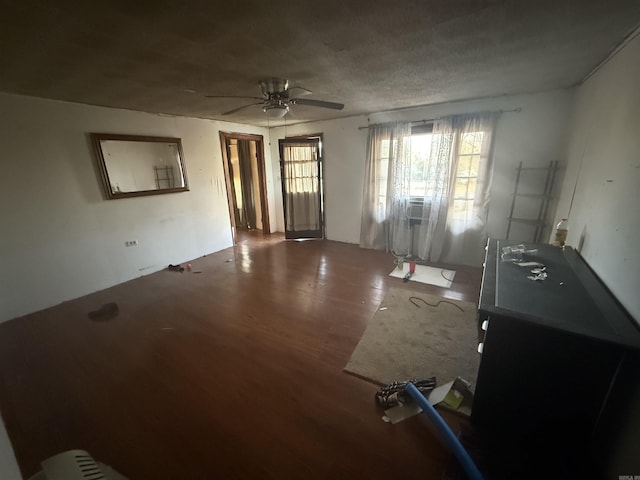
{"x": 460, "y": 168}
{"x": 454, "y": 190}
{"x": 384, "y": 223}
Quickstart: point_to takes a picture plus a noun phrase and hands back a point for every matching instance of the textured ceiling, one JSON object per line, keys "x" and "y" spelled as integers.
{"x": 370, "y": 55}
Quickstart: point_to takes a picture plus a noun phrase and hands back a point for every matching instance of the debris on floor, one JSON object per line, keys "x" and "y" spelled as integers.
{"x": 455, "y": 396}
{"x": 401, "y": 412}
{"x": 175, "y": 268}
{"x": 394, "y": 393}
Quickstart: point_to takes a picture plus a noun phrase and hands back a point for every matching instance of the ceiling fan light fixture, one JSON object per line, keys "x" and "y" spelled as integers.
{"x": 276, "y": 111}
{"x": 277, "y": 98}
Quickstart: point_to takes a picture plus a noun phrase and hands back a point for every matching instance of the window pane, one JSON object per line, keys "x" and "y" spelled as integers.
{"x": 466, "y": 181}
{"x": 467, "y": 143}
{"x": 301, "y": 169}
{"x": 421, "y": 145}
{"x": 471, "y": 192}
{"x": 471, "y": 142}
{"x": 420, "y": 151}
{"x": 461, "y": 188}
{"x": 463, "y": 166}
{"x": 474, "y": 165}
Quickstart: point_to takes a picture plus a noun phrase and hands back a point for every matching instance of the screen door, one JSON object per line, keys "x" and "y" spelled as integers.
{"x": 301, "y": 173}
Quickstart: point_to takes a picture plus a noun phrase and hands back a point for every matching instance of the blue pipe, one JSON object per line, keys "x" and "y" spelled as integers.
{"x": 447, "y": 435}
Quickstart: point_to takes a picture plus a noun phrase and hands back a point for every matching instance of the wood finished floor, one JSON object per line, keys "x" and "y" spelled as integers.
{"x": 231, "y": 373}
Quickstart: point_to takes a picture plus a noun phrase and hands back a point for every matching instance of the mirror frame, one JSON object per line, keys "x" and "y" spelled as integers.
{"x": 97, "y": 138}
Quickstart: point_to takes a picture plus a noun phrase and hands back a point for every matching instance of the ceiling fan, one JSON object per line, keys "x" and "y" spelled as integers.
{"x": 278, "y": 97}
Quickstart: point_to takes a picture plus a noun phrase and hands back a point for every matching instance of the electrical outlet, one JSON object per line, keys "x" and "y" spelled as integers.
{"x": 131, "y": 243}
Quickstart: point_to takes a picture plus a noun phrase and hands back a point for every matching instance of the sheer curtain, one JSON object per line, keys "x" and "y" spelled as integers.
{"x": 384, "y": 223}
{"x": 456, "y": 201}
{"x": 302, "y": 198}
{"x": 454, "y": 190}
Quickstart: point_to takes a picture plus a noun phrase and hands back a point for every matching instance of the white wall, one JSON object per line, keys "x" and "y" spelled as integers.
{"x": 61, "y": 239}
{"x": 604, "y": 221}
{"x": 604, "y": 168}
{"x": 536, "y": 135}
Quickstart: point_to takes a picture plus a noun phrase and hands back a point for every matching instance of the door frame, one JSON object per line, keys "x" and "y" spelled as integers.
{"x": 307, "y": 137}
{"x": 262, "y": 178}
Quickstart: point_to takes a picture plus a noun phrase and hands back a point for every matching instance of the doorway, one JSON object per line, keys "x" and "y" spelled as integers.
{"x": 302, "y": 186}
{"x": 244, "y": 168}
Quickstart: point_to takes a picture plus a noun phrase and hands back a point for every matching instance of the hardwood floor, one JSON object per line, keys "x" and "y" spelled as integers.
{"x": 230, "y": 371}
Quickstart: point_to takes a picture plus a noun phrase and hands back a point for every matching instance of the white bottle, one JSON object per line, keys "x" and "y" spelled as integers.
{"x": 561, "y": 232}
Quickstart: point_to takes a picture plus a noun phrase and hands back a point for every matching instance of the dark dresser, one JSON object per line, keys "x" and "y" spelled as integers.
{"x": 555, "y": 356}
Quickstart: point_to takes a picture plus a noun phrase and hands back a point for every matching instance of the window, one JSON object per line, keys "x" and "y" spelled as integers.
{"x": 425, "y": 176}
{"x": 421, "y": 181}
{"x": 466, "y": 181}
{"x": 418, "y": 146}
{"x": 302, "y": 160}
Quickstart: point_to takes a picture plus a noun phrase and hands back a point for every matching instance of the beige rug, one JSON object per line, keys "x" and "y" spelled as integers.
{"x": 405, "y": 341}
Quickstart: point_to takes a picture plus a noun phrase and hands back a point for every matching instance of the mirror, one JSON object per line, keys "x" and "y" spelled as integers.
{"x": 132, "y": 166}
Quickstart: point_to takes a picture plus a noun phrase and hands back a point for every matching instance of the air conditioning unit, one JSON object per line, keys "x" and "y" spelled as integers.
{"x": 75, "y": 465}
{"x": 416, "y": 210}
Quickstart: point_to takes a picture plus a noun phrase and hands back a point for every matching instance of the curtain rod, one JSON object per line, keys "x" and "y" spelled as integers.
{"x": 430, "y": 120}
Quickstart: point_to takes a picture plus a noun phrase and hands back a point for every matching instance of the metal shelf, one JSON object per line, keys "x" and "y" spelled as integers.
{"x": 544, "y": 198}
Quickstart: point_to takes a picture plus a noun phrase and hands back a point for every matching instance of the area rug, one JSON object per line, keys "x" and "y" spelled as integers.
{"x": 416, "y": 335}
{"x": 439, "y": 277}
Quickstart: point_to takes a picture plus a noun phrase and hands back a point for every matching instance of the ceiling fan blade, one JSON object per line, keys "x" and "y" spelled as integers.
{"x": 234, "y": 96}
{"x": 240, "y": 108}
{"x": 299, "y": 91}
{"x": 317, "y": 103}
